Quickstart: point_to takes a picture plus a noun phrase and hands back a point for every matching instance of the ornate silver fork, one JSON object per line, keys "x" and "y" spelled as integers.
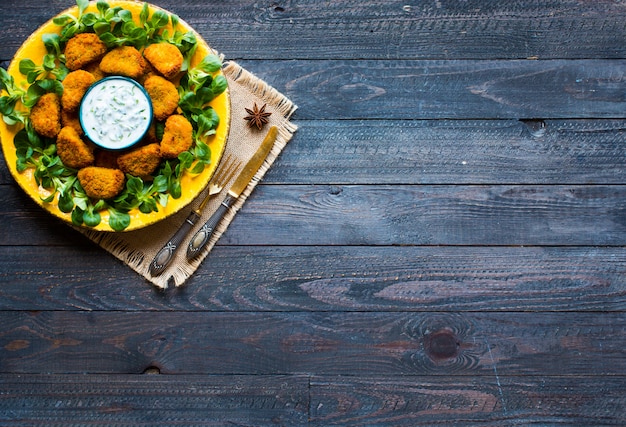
{"x": 221, "y": 178}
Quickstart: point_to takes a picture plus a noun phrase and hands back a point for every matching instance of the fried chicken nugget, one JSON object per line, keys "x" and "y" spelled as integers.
{"x": 45, "y": 116}
{"x": 177, "y": 137}
{"x": 72, "y": 150}
{"x": 75, "y": 85}
{"x": 101, "y": 183}
{"x": 164, "y": 96}
{"x": 124, "y": 61}
{"x": 82, "y": 49}
{"x": 71, "y": 119}
{"x": 165, "y": 58}
{"x": 142, "y": 161}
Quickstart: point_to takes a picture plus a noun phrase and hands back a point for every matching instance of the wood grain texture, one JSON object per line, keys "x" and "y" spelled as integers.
{"x": 370, "y": 279}
{"x": 396, "y": 215}
{"x": 149, "y": 400}
{"x": 354, "y": 344}
{"x": 449, "y": 89}
{"x": 73, "y": 400}
{"x": 504, "y": 400}
{"x": 454, "y": 152}
{"x": 381, "y": 29}
{"x": 331, "y": 279}
{"x": 432, "y": 215}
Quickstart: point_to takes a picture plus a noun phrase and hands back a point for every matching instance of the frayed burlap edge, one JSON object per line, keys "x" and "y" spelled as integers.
{"x": 138, "y": 257}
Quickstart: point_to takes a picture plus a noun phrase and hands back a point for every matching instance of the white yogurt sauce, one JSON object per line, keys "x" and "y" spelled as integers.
{"x": 115, "y": 113}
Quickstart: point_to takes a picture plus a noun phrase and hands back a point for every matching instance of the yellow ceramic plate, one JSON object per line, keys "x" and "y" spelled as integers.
{"x": 33, "y": 48}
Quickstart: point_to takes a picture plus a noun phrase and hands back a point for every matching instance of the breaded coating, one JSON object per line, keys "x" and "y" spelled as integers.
{"x": 164, "y": 96}
{"x": 142, "y": 161}
{"x": 94, "y": 69}
{"x": 165, "y": 58}
{"x": 178, "y": 136}
{"x": 83, "y": 49}
{"x": 106, "y": 159}
{"x": 73, "y": 151}
{"x": 101, "y": 183}
{"x": 124, "y": 61}
{"x": 148, "y": 71}
{"x": 45, "y": 116}
{"x": 71, "y": 119}
{"x": 75, "y": 85}
{"x": 151, "y": 134}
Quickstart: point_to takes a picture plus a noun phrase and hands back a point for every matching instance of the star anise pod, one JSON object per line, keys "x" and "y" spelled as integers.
{"x": 257, "y": 117}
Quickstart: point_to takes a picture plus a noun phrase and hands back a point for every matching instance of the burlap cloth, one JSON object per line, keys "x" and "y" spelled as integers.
{"x": 137, "y": 248}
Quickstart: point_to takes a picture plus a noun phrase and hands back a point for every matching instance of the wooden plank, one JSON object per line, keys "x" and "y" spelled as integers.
{"x": 19, "y": 210}
{"x": 393, "y": 215}
{"x": 448, "y": 89}
{"x": 338, "y": 278}
{"x": 449, "y": 152}
{"x": 451, "y": 89}
{"x": 431, "y": 215}
{"x": 51, "y": 400}
{"x": 502, "y": 400}
{"x": 149, "y": 400}
{"x": 379, "y": 29}
{"x": 353, "y": 343}
{"x": 454, "y": 152}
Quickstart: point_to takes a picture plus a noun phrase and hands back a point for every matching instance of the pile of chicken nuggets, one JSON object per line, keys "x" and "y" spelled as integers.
{"x": 102, "y": 173}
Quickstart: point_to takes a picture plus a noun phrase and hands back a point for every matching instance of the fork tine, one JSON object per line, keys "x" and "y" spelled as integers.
{"x": 225, "y": 172}
{"x": 229, "y": 172}
{"x": 222, "y": 170}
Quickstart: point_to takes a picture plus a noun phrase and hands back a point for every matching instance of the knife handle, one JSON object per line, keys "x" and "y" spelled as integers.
{"x": 202, "y": 236}
{"x": 165, "y": 255}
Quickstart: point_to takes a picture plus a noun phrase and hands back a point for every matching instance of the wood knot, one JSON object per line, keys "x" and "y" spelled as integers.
{"x": 152, "y": 370}
{"x": 277, "y": 7}
{"x": 536, "y": 127}
{"x": 441, "y": 345}
{"x": 335, "y": 190}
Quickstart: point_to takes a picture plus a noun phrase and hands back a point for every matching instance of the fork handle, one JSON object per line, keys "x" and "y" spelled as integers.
{"x": 202, "y": 236}
{"x": 165, "y": 255}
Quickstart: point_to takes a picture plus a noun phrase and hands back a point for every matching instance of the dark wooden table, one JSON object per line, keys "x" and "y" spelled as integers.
{"x": 443, "y": 241}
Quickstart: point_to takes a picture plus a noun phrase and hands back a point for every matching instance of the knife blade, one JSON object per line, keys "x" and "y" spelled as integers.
{"x": 202, "y": 236}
